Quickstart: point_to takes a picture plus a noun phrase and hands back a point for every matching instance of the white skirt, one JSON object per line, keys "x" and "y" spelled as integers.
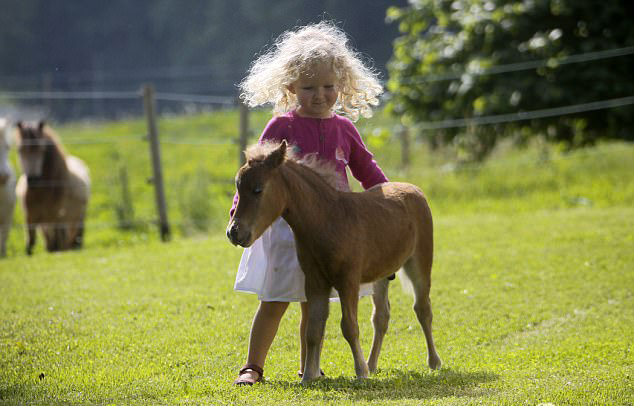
{"x": 270, "y": 269}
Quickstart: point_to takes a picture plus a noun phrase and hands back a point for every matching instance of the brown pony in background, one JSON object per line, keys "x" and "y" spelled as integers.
{"x": 53, "y": 189}
{"x": 343, "y": 239}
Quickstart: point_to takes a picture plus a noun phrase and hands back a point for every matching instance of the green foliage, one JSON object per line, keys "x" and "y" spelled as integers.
{"x": 442, "y": 67}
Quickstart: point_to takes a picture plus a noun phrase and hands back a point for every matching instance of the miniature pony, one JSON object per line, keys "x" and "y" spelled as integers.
{"x": 343, "y": 239}
{"x": 54, "y": 189}
{"x": 7, "y": 190}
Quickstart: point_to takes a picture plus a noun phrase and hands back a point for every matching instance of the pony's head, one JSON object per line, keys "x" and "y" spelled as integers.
{"x": 32, "y": 143}
{"x": 261, "y": 198}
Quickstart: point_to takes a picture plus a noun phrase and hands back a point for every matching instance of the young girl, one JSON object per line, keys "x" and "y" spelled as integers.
{"x": 309, "y": 74}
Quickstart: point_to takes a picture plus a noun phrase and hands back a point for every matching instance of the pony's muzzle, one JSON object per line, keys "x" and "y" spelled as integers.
{"x": 237, "y": 236}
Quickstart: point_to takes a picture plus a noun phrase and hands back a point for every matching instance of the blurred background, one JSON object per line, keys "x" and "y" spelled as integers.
{"x": 201, "y": 47}
{"x": 441, "y": 60}
{"x": 464, "y": 79}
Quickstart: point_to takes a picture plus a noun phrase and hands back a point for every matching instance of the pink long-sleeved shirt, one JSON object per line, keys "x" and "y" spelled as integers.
{"x": 334, "y": 139}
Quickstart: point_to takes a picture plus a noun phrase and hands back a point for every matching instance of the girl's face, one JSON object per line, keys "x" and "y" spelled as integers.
{"x": 316, "y": 91}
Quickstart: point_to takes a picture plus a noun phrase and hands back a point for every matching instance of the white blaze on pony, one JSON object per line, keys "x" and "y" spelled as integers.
{"x": 54, "y": 189}
{"x": 343, "y": 239}
{"x": 7, "y": 189}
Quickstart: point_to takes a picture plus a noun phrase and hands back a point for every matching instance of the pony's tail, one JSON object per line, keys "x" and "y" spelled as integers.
{"x": 406, "y": 282}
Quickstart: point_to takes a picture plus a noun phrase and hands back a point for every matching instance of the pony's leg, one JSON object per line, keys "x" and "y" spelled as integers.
{"x": 55, "y": 237}
{"x": 317, "y": 295}
{"x": 350, "y": 327}
{"x": 49, "y": 237}
{"x": 30, "y": 237}
{"x": 4, "y": 236}
{"x": 71, "y": 229}
{"x": 63, "y": 235}
{"x": 78, "y": 238}
{"x": 418, "y": 270}
{"x": 380, "y": 320}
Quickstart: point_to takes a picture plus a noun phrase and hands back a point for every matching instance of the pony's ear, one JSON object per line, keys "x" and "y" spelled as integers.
{"x": 276, "y": 157}
{"x": 40, "y": 125}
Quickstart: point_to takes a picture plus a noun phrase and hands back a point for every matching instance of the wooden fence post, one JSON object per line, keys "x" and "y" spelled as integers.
{"x": 244, "y": 132}
{"x": 155, "y": 153}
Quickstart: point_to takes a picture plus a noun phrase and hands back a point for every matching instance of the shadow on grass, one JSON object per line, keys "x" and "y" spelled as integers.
{"x": 398, "y": 384}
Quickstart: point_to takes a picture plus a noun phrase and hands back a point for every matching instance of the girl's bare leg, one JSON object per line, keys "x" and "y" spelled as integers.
{"x": 265, "y": 324}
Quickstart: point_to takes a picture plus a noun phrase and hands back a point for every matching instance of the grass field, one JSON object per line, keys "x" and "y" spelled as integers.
{"x": 532, "y": 292}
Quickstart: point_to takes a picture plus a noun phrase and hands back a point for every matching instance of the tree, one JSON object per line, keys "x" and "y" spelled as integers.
{"x": 460, "y": 59}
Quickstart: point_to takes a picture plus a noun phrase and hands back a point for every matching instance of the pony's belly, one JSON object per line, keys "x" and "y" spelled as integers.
{"x": 387, "y": 259}
{"x": 373, "y": 274}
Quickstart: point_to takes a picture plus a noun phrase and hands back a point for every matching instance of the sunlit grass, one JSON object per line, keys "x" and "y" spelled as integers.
{"x": 529, "y": 308}
{"x": 532, "y": 288}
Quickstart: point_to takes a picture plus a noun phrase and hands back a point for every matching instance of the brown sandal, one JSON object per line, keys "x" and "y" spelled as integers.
{"x": 249, "y": 381}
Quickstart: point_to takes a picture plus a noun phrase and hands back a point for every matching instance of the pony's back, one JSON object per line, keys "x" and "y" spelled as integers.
{"x": 80, "y": 176}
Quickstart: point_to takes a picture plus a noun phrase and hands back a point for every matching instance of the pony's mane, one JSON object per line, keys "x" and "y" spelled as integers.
{"x": 52, "y": 135}
{"x": 259, "y": 151}
{"x": 325, "y": 169}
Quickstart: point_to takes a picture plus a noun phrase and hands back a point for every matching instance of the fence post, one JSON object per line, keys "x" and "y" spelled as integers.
{"x": 155, "y": 153}
{"x": 405, "y": 149}
{"x": 244, "y": 132}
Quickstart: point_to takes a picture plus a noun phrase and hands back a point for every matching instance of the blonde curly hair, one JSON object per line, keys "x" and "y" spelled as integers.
{"x": 296, "y": 52}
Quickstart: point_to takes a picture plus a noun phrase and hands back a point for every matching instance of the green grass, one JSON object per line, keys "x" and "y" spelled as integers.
{"x": 525, "y": 311}
{"x": 532, "y": 293}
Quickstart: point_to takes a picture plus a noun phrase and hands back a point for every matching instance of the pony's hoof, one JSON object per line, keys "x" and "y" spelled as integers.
{"x": 434, "y": 362}
{"x": 373, "y": 367}
{"x": 362, "y": 371}
{"x": 307, "y": 381}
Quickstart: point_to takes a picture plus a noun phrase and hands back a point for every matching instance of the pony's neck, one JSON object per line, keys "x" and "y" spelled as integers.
{"x": 54, "y": 164}
{"x": 310, "y": 199}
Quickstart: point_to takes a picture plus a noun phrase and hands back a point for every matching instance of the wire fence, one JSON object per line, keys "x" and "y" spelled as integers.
{"x": 528, "y": 115}
{"x": 553, "y": 62}
{"x": 221, "y": 101}
{"x": 145, "y": 222}
{"x": 232, "y": 102}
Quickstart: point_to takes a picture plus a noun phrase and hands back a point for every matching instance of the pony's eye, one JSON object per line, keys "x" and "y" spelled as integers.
{"x": 257, "y": 190}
